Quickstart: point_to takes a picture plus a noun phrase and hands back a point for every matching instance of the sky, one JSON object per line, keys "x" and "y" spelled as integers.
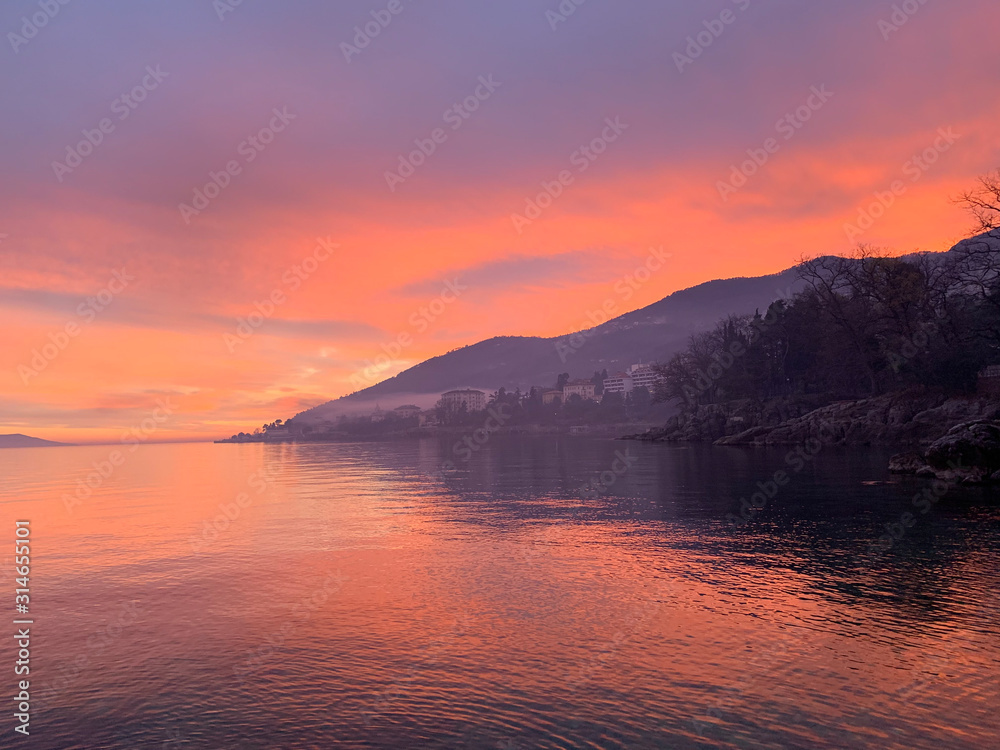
{"x": 217, "y": 214}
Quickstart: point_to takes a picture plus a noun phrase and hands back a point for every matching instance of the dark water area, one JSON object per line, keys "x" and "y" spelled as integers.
{"x": 555, "y": 592}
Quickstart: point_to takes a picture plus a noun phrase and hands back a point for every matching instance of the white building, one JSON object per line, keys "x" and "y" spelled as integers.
{"x": 619, "y": 383}
{"x": 473, "y": 400}
{"x": 643, "y": 376}
{"x": 637, "y": 376}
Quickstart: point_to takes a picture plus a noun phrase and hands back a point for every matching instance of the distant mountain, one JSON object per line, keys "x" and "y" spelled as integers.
{"x": 653, "y": 333}
{"x": 24, "y": 441}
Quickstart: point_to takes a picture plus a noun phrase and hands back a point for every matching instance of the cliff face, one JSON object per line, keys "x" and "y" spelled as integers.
{"x": 903, "y": 419}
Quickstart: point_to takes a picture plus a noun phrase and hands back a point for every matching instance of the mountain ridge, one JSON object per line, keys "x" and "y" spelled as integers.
{"x": 648, "y": 334}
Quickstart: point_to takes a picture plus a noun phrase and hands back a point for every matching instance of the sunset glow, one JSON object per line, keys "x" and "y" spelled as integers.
{"x": 307, "y": 235}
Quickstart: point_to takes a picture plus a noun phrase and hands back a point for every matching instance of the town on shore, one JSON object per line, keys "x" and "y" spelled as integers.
{"x": 603, "y": 404}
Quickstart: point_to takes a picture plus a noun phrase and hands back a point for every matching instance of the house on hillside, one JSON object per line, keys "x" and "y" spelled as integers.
{"x": 471, "y": 399}
{"x": 552, "y": 397}
{"x": 582, "y": 388}
{"x": 406, "y": 411}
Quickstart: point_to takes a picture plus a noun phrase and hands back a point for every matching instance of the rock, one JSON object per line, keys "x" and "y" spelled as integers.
{"x": 747, "y": 437}
{"x": 908, "y": 463}
{"x": 968, "y": 453}
{"x": 735, "y": 425}
{"x": 906, "y": 419}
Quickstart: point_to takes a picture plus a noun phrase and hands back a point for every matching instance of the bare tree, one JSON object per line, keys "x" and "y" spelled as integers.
{"x": 983, "y": 202}
{"x": 834, "y": 283}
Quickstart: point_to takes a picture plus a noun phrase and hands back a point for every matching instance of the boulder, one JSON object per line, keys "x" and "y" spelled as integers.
{"x": 907, "y": 463}
{"x": 968, "y": 452}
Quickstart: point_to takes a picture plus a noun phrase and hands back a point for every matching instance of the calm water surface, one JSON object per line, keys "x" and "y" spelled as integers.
{"x": 356, "y": 597}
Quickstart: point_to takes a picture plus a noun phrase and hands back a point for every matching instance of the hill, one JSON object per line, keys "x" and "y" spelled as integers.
{"x": 24, "y": 441}
{"x": 653, "y": 333}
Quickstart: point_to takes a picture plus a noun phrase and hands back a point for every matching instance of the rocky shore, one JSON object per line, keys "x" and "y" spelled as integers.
{"x": 968, "y": 453}
{"x": 952, "y": 438}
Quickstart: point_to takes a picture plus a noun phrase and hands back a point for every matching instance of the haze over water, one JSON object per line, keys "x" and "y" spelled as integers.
{"x": 360, "y": 599}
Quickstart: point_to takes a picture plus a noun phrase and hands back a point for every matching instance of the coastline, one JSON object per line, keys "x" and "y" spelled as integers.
{"x": 611, "y": 431}
{"x": 945, "y": 437}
